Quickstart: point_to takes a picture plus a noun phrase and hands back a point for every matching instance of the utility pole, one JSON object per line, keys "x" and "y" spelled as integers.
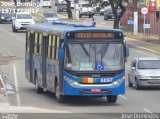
{"x": 76, "y": 9}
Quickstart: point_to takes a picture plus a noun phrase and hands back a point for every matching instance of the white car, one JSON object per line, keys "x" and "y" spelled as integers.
{"x": 21, "y": 20}
{"x": 50, "y": 17}
{"x": 86, "y": 10}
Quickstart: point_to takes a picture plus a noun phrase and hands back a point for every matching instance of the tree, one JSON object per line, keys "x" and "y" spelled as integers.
{"x": 15, "y": 2}
{"x": 69, "y": 12}
{"x": 115, "y": 4}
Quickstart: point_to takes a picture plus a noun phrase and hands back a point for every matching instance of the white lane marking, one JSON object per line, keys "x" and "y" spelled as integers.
{"x": 16, "y": 85}
{"x": 123, "y": 97}
{"x": 102, "y": 23}
{"x": 147, "y": 110}
{"x": 15, "y": 78}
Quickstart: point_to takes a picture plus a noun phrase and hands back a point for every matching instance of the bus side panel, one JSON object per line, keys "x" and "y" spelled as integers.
{"x": 52, "y": 72}
{"x": 56, "y": 73}
{"x": 29, "y": 61}
{"x": 50, "y": 75}
{"x": 27, "y": 67}
{"x": 37, "y": 69}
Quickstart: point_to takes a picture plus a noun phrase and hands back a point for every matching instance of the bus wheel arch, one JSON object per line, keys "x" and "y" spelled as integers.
{"x": 59, "y": 97}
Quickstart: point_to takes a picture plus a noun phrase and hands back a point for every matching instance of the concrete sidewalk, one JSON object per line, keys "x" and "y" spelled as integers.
{"x": 3, "y": 99}
{"x": 141, "y": 45}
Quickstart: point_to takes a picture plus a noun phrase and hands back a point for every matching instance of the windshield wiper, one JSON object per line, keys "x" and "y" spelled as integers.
{"x": 84, "y": 49}
{"x": 103, "y": 52}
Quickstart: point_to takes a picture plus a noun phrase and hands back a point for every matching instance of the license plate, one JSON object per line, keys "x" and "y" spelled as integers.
{"x": 24, "y": 26}
{"x": 95, "y": 90}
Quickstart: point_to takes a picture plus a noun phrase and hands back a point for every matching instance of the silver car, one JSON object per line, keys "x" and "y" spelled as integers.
{"x": 144, "y": 72}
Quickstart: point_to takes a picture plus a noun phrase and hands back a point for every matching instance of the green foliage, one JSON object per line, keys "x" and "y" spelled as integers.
{"x": 104, "y": 4}
{"x": 98, "y": 3}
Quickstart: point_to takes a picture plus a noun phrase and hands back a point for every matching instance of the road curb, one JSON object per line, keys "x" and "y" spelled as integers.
{"x": 142, "y": 48}
{"x": 138, "y": 40}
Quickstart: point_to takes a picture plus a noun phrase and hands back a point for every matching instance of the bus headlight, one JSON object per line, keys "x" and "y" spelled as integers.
{"x": 118, "y": 81}
{"x": 74, "y": 83}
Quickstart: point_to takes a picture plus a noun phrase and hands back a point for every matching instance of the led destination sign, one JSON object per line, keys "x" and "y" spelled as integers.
{"x": 93, "y": 35}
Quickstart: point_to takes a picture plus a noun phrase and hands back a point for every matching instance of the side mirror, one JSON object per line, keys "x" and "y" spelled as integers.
{"x": 126, "y": 51}
{"x": 61, "y": 54}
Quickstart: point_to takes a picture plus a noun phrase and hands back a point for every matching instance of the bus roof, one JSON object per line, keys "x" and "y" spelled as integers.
{"x": 66, "y": 27}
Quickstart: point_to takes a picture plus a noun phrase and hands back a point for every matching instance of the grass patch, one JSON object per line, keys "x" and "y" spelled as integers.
{"x": 155, "y": 48}
{"x": 141, "y": 37}
{"x": 154, "y": 41}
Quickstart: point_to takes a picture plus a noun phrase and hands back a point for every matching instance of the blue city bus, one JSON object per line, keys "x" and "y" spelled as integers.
{"x": 76, "y": 60}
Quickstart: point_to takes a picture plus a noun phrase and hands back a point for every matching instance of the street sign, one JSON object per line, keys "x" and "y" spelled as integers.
{"x": 146, "y": 26}
{"x": 144, "y": 10}
{"x": 130, "y": 22}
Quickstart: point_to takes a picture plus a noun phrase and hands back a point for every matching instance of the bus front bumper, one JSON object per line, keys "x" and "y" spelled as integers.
{"x": 94, "y": 90}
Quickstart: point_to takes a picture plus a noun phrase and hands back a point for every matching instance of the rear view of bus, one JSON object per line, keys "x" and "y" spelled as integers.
{"x": 94, "y": 63}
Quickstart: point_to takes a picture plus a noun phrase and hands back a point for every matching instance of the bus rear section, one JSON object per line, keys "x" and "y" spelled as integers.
{"x": 94, "y": 64}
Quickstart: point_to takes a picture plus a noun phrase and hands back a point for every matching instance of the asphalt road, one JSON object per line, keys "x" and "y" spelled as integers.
{"x": 13, "y": 44}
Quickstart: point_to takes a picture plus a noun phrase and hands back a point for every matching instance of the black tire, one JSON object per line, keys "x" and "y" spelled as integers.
{"x": 0, "y": 22}
{"x": 39, "y": 90}
{"x": 59, "y": 97}
{"x": 137, "y": 87}
{"x": 90, "y": 16}
{"x": 112, "y": 98}
{"x": 107, "y": 18}
{"x": 13, "y": 29}
{"x": 80, "y": 16}
{"x": 130, "y": 84}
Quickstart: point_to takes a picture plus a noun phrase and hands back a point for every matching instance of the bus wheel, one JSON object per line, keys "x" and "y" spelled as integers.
{"x": 112, "y": 98}
{"x": 59, "y": 97}
{"x": 38, "y": 89}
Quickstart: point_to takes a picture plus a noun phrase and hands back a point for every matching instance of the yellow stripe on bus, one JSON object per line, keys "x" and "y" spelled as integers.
{"x": 90, "y": 80}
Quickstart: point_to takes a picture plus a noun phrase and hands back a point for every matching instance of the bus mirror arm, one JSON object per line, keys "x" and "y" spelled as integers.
{"x": 60, "y": 53}
{"x": 126, "y": 52}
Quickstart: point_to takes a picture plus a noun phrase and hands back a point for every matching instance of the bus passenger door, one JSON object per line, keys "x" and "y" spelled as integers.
{"x": 44, "y": 55}
{"x": 29, "y": 57}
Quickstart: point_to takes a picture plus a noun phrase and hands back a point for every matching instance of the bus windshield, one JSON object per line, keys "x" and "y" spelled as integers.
{"x": 94, "y": 57}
